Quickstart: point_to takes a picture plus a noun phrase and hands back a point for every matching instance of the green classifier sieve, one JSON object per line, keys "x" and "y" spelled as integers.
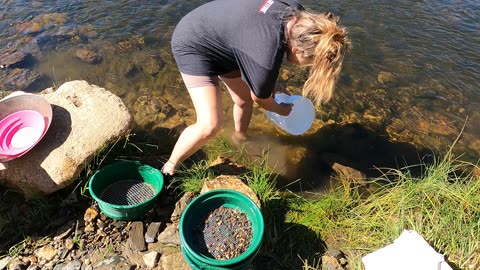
{"x": 236, "y": 208}
{"x": 126, "y": 190}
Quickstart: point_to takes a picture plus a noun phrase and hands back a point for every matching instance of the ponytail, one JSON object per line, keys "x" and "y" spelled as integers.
{"x": 320, "y": 38}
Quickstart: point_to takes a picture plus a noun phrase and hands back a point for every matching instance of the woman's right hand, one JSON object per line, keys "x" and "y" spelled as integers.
{"x": 270, "y": 104}
{"x": 284, "y": 109}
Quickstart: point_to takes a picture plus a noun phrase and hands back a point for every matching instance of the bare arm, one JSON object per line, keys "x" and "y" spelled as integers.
{"x": 270, "y": 104}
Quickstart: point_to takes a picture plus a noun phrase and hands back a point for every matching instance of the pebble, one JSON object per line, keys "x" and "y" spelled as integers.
{"x": 47, "y": 252}
{"x": 150, "y": 259}
{"x": 69, "y": 244}
{"x": 152, "y": 231}
{"x": 90, "y": 215}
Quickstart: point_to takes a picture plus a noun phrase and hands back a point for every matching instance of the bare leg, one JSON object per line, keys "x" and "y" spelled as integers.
{"x": 242, "y": 108}
{"x": 208, "y": 106}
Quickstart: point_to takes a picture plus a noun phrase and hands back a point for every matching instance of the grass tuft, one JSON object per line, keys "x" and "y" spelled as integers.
{"x": 262, "y": 181}
{"x": 443, "y": 206}
{"x": 191, "y": 178}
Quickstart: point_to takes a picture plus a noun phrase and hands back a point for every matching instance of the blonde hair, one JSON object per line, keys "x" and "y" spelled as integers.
{"x": 321, "y": 38}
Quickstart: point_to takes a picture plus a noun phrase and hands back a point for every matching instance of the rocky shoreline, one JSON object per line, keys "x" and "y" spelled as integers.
{"x": 86, "y": 239}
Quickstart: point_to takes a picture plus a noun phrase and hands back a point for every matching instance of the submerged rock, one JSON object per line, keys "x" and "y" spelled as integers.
{"x": 384, "y": 77}
{"x": 88, "y": 56}
{"x": 13, "y": 58}
{"x": 20, "y": 79}
{"x": 151, "y": 111}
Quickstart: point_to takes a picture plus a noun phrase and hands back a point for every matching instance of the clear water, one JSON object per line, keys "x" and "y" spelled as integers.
{"x": 431, "y": 48}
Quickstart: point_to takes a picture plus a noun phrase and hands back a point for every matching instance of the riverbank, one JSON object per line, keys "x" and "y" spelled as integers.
{"x": 442, "y": 204}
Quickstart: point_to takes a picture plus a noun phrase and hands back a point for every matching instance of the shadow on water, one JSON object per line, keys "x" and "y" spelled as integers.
{"x": 368, "y": 151}
{"x": 355, "y": 146}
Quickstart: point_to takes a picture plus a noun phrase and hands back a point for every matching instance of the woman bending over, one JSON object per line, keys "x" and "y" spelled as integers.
{"x": 242, "y": 44}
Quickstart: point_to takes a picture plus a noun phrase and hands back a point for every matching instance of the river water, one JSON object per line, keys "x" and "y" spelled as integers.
{"x": 410, "y": 84}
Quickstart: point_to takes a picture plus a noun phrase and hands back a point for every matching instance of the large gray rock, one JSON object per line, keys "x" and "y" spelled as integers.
{"x": 85, "y": 119}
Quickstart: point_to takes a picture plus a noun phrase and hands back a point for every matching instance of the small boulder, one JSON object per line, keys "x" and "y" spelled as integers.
{"x": 85, "y": 119}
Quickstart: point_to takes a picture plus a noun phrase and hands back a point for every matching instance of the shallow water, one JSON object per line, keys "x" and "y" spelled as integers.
{"x": 428, "y": 51}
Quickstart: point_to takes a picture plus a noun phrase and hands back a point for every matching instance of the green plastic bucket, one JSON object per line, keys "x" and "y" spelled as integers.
{"x": 195, "y": 256}
{"x": 126, "y": 190}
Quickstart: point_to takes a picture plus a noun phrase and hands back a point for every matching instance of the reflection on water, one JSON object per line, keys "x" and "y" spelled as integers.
{"x": 411, "y": 78}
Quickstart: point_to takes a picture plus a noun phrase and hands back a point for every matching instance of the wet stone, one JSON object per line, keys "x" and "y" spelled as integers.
{"x": 224, "y": 233}
{"x": 50, "y": 42}
{"x": 29, "y": 28}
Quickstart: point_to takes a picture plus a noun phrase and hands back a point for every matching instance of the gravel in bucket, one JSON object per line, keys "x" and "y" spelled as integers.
{"x": 223, "y": 233}
{"x": 127, "y": 192}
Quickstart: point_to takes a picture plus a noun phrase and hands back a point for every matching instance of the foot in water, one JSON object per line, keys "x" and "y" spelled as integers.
{"x": 239, "y": 138}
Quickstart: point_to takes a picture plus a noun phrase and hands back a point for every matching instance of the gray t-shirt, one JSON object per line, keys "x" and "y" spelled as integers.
{"x": 226, "y": 35}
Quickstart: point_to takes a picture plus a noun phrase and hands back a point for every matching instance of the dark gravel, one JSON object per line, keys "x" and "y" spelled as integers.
{"x": 224, "y": 233}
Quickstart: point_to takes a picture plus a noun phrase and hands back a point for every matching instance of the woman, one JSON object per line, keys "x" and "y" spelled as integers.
{"x": 242, "y": 43}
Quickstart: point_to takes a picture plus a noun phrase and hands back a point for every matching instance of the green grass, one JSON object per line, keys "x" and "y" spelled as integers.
{"x": 191, "y": 175}
{"x": 222, "y": 146}
{"x": 191, "y": 178}
{"x": 262, "y": 181}
{"x": 443, "y": 206}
